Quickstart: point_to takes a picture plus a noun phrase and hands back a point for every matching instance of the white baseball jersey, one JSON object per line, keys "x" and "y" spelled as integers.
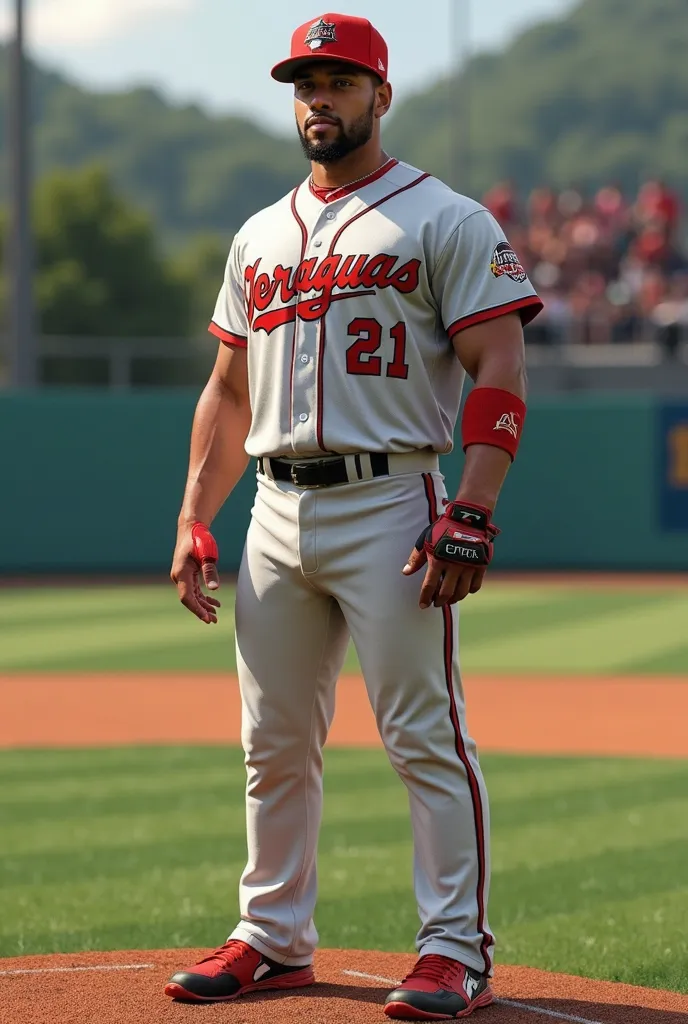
{"x": 348, "y": 307}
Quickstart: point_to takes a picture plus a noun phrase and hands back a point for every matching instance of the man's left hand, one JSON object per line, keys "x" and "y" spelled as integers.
{"x": 457, "y": 548}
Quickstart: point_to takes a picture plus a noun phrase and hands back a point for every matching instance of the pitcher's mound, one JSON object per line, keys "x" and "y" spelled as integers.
{"x": 127, "y": 988}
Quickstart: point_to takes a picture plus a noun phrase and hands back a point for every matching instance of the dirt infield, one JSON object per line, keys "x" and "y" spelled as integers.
{"x": 633, "y": 716}
{"x": 123, "y": 987}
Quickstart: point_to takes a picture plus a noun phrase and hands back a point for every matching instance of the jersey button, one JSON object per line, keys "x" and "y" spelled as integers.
{"x": 330, "y": 215}
{"x": 305, "y": 359}
{"x": 303, "y": 417}
{"x": 317, "y": 243}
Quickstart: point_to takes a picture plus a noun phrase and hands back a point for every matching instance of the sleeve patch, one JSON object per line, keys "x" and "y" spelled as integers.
{"x": 506, "y": 262}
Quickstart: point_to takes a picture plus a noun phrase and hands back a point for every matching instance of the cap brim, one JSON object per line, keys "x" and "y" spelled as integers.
{"x": 286, "y": 70}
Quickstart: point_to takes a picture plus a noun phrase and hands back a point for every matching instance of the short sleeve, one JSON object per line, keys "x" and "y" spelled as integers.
{"x": 229, "y": 322}
{"x": 479, "y": 276}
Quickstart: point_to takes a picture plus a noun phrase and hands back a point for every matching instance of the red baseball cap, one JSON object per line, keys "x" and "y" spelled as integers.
{"x": 335, "y": 37}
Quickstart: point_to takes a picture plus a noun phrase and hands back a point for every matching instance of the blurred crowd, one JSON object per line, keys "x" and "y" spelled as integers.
{"x": 609, "y": 268}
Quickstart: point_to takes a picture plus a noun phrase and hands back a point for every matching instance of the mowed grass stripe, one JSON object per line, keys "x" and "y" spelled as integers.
{"x": 666, "y": 662}
{"x": 223, "y": 816}
{"x": 498, "y": 594}
{"x": 640, "y": 941}
{"x": 35, "y": 624}
{"x": 44, "y": 607}
{"x": 20, "y": 604}
{"x": 127, "y": 786}
{"x": 606, "y": 643}
{"x": 101, "y": 774}
{"x": 514, "y": 776}
{"x": 143, "y": 762}
{"x": 38, "y": 616}
{"x": 213, "y": 650}
{"x": 508, "y": 627}
{"x": 568, "y": 786}
{"x": 215, "y": 791}
{"x": 114, "y": 834}
{"x": 31, "y": 648}
{"x": 172, "y": 799}
{"x": 547, "y": 843}
{"x": 223, "y": 839}
{"x": 571, "y": 803}
{"x": 107, "y": 914}
{"x": 559, "y": 608}
{"x": 130, "y": 846}
{"x": 611, "y": 875}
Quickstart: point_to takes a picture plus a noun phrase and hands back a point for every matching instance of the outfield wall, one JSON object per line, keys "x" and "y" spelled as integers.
{"x": 92, "y": 481}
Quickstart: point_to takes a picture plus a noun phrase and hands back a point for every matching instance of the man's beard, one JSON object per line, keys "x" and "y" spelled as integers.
{"x": 349, "y": 139}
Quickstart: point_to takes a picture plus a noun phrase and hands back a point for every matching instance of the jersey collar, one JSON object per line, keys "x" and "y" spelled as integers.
{"x": 331, "y": 195}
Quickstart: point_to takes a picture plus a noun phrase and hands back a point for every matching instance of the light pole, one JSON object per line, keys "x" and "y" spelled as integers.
{"x": 459, "y": 96}
{"x": 22, "y": 336}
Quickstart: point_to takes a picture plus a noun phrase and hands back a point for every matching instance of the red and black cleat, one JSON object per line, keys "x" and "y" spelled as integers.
{"x": 439, "y": 988}
{"x": 233, "y": 970}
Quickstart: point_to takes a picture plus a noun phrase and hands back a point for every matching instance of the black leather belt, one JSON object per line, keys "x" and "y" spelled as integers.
{"x": 324, "y": 472}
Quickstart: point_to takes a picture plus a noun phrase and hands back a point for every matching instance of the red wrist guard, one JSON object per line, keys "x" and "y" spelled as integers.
{"x": 495, "y": 417}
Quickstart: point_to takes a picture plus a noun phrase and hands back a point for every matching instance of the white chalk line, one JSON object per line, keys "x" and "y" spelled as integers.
{"x": 547, "y": 1013}
{"x": 372, "y": 977}
{"x": 69, "y": 970}
{"x": 502, "y": 1002}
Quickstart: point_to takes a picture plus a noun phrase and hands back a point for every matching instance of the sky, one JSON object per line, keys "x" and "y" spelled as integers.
{"x": 219, "y": 52}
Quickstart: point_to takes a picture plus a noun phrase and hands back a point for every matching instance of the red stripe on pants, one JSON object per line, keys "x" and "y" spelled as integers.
{"x": 476, "y": 799}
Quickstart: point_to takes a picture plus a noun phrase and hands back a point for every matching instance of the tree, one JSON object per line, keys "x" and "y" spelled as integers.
{"x": 98, "y": 268}
{"x": 201, "y": 266}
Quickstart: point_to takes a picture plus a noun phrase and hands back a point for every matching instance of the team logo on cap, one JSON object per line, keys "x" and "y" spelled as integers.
{"x": 319, "y": 33}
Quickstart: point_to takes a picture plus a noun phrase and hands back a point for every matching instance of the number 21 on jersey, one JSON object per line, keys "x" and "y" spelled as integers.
{"x": 370, "y": 338}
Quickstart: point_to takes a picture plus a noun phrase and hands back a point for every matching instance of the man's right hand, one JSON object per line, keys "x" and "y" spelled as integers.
{"x": 195, "y": 558}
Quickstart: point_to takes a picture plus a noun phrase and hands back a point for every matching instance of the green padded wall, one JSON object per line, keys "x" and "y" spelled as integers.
{"x": 91, "y": 482}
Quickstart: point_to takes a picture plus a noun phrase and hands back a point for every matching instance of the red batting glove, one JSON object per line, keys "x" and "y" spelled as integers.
{"x": 206, "y": 554}
{"x": 463, "y": 535}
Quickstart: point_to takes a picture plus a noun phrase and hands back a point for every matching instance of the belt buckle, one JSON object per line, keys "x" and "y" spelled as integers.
{"x": 304, "y": 468}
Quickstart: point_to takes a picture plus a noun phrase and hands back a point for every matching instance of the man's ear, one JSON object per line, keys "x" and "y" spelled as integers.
{"x": 383, "y": 99}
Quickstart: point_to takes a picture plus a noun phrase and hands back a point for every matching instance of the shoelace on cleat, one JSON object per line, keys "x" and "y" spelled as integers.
{"x": 435, "y": 968}
{"x": 230, "y": 953}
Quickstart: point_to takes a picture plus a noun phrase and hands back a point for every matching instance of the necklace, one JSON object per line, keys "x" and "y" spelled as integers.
{"x": 337, "y": 188}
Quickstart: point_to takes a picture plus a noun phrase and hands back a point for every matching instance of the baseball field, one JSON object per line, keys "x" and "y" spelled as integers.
{"x": 122, "y": 807}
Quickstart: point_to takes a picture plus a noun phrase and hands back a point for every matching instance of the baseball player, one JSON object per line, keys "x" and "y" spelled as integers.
{"x": 350, "y": 313}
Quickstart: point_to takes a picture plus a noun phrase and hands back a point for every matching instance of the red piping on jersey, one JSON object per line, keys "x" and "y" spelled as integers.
{"x": 374, "y": 206}
{"x": 346, "y": 190}
{"x": 321, "y": 373}
{"x": 531, "y": 306}
{"x": 304, "y": 243}
{"x": 321, "y": 332}
{"x": 235, "y": 340}
{"x": 476, "y": 800}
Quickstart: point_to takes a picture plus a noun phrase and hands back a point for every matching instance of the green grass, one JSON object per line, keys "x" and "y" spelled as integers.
{"x": 142, "y": 848}
{"x": 508, "y": 627}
